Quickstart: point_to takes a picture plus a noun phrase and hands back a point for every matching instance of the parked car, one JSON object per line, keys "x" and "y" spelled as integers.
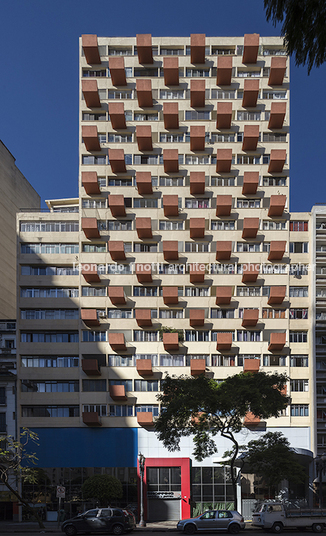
{"x": 106, "y": 520}
{"x": 213, "y": 520}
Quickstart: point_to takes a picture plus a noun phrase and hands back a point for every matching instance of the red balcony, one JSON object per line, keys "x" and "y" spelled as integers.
{"x": 250, "y": 182}
{"x": 276, "y": 295}
{"x": 171, "y": 115}
{"x": 197, "y": 182}
{"x": 170, "y": 205}
{"x": 117, "y": 295}
{"x": 276, "y": 205}
{"x": 144, "y": 273}
{"x": 170, "y": 295}
{"x": 224, "y": 115}
{"x": 223, "y": 341}
{"x": 251, "y": 365}
{"x": 90, "y": 138}
{"x": 197, "y": 93}
{"x": 250, "y": 93}
{"x": 144, "y": 182}
{"x": 171, "y": 160}
{"x": 197, "y": 273}
{"x": 223, "y": 250}
{"x": 170, "y": 250}
{"x": 277, "y": 342}
{"x": 197, "y": 227}
{"x": 117, "y": 115}
{"x": 90, "y": 367}
{"x": 277, "y": 115}
{"x": 89, "y": 317}
{"x": 197, "y": 138}
{"x": 90, "y": 92}
{"x": 250, "y": 227}
{"x": 144, "y": 93}
{"x": 251, "y": 421}
{"x": 250, "y": 137}
{"x": 223, "y": 295}
{"x": 197, "y": 48}
{"x": 145, "y": 419}
{"x": 117, "y": 70}
{"x": 197, "y": 367}
{"x": 90, "y": 47}
{"x": 277, "y": 71}
{"x": 117, "y": 342}
{"x": 223, "y": 160}
{"x": 117, "y": 160}
{"x": 144, "y": 48}
{"x": 144, "y": 227}
{"x": 90, "y": 228}
{"x": 116, "y": 250}
{"x": 143, "y": 317}
{"x": 196, "y": 317}
{"x": 89, "y": 271}
{"x": 224, "y": 70}
{"x": 90, "y": 183}
{"x": 171, "y": 71}
{"x": 116, "y": 204}
{"x": 250, "y": 272}
{"x": 144, "y": 367}
{"x": 277, "y": 160}
{"x": 91, "y": 418}
{"x": 277, "y": 250}
{"x": 223, "y": 205}
{"x": 171, "y": 341}
{"x": 144, "y": 137}
{"x": 250, "y": 318}
{"x": 117, "y": 392}
{"x": 250, "y": 48}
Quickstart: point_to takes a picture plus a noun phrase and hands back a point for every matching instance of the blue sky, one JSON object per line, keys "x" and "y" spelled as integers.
{"x": 39, "y": 81}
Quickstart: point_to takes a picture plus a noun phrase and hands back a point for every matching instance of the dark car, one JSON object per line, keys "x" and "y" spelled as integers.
{"x": 213, "y": 520}
{"x": 115, "y": 520}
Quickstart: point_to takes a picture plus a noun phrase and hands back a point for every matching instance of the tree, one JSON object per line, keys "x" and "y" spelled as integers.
{"x": 103, "y": 488}
{"x": 16, "y": 461}
{"x": 203, "y": 408}
{"x": 304, "y": 23}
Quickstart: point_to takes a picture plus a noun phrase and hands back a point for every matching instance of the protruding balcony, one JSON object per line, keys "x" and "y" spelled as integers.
{"x": 250, "y": 137}
{"x": 277, "y": 71}
{"x": 171, "y": 160}
{"x": 251, "y": 421}
{"x": 170, "y": 295}
{"x": 197, "y": 227}
{"x": 145, "y": 419}
{"x": 90, "y": 92}
{"x": 90, "y": 47}
{"x": 250, "y": 272}
{"x": 250, "y": 227}
{"x": 117, "y": 70}
{"x": 117, "y": 115}
{"x": 224, "y": 70}
{"x": 223, "y": 341}
{"x": 170, "y": 250}
{"x": 144, "y": 93}
{"x": 117, "y": 295}
{"x": 250, "y": 318}
{"x": 171, "y": 115}
{"x": 197, "y": 367}
{"x": 223, "y": 160}
{"x": 223, "y": 295}
{"x": 117, "y": 160}
{"x": 276, "y": 205}
{"x": 250, "y": 93}
{"x": 223, "y": 115}
{"x": 116, "y": 204}
{"x": 223, "y": 250}
{"x": 250, "y": 48}
{"x": 197, "y": 48}
{"x": 276, "y": 295}
{"x": 250, "y": 182}
{"x": 197, "y": 182}
{"x": 170, "y": 205}
{"x": 144, "y": 272}
{"x": 144, "y": 367}
{"x": 251, "y": 365}
{"x": 196, "y": 317}
{"x": 277, "y": 115}
{"x": 197, "y": 93}
{"x": 89, "y": 272}
{"x": 91, "y": 418}
{"x": 171, "y": 341}
{"x": 277, "y": 160}
{"x": 89, "y": 317}
{"x": 117, "y": 342}
{"x": 144, "y": 48}
{"x": 277, "y": 250}
{"x": 171, "y": 71}
{"x": 116, "y": 250}
{"x": 90, "y": 138}
{"x": 223, "y": 205}
{"x": 144, "y": 137}
{"x": 117, "y": 392}
{"x": 197, "y": 273}
{"x": 90, "y": 183}
{"x": 144, "y": 182}
{"x": 91, "y": 367}
{"x": 197, "y": 138}
{"x": 144, "y": 227}
{"x": 90, "y": 227}
{"x": 143, "y": 317}
{"x": 277, "y": 342}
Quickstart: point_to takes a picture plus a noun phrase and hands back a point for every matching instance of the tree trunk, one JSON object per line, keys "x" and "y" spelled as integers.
{"x": 234, "y": 478}
{"x": 31, "y": 510}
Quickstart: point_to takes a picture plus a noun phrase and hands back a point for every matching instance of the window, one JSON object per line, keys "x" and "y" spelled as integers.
{"x": 227, "y": 225}
{"x": 300, "y": 386}
{"x": 274, "y": 361}
{"x": 93, "y": 336}
{"x": 119, "y": 182}
{"x": 196, "y": 73}
{"x": 116, "y": 225}
{"x": 94, "y": 203}
{"x": 196, "y": 203}
{"x": 248, "y": 203}
{"x": 170, "y": 313}
{"x": 145, "y": 203}
{"x": 298, "y": 336}
{"x": 50, "y": 336}
{"x": 298, "y": 361}
{"x": 119, "y": 94}
{"x": 298, "y": 314}
{"x": 196, "y": 247}
{"x": 52, "y": 292}
{"x": 298, "y": 292}
{"x": 121, "y": 411}
{"x": 139, "y": 116}
{"x": 222, "y": 269}
{"x": 120, "y": 361}
{"x": 248, "y": 116}
{"x": 269, "y": 225}
{"x": 223, "y": 361}
{"x": 273, "y": 94}
{"x": 194, "y": 115}
{"x": 3, "y": 399}
{"x": 196, "y": 336}
{"x": 147, "y": 72}
{"x": 49, "y": 314}
{"x": 146, "y": 385}
{"x": 298, "y": 247}
{"x": 172, "y": 51}
{"x": 145, "y": 159}
{"x": 94, "y": 117}
{"x": 94, "y": 386}
{"x": 171, "y": 269}
{"x": 140, "y": 247}
{"x": 274, "y": 181}
{"x": 222, "y": 181}
{"x": 94, "y": 248}
{"x": 222, "y": 94}
{"x": 172, "y": 94}
{"x": 171, "y": 138}
{"x": 49, "y": 227}
{"x": 171, "y": 181}
{"x": 248, "y": 74}
{"x": 94, "y": 74}
{"x": 91, "y": 408}
{"x": 119, "y": 138}
{"x": 154, "y": 409}
{"x": 299, "y": 269}
{"x": 244, "y": 247}
{"x": 197, "y": 291}
{"x": 49, "y": 249}
{"x": 67, "y": 386}
{"x": 126, "y": 383}
{"x": 299, "y": 410}
{"x": 93, "y": 291}
{"x": 248, "y": 336}
{"x": 89, "y": 160}
{"x": 165, "y": 225}
{"x": 244, "y": 159}
{"x": 119, "y": 313}
{"x": 274, "y": 137}
{"x": 49, "y": 270}
{"x": 145, "y": 291}
{"x": 248, "y": 291}
{"x": 223, "y": 138}
{"x": 273, "y": 313}
{"x": 50, "y": 411}
{"x": 222, "y": 313}
{"x": 298, "y": 226}
{"x": 49, "y": 361}
{"x": 169, "y": 360}
{"x": 145, "y": 336}
{"x": 196, "y": 159}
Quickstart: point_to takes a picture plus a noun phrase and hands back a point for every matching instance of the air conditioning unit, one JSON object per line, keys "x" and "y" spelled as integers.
{"x": 102, "y": 314}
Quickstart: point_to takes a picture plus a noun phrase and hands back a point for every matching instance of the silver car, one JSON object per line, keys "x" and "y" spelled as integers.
{"x": 213, "y": 520}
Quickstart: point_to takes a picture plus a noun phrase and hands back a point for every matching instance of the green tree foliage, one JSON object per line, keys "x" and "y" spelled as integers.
{"x": 102, "y": 488}
{"x": 202, "y": 408}
{"x": 303, "y": 27}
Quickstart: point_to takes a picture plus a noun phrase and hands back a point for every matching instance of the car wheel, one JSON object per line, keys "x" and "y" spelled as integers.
{"x": 190, "y": 528}
{"x": 70, "y": 530}
{"x": 234, "y": 528}
{"x": 117, "y": 530}
{"x": 277, "y": 528}
{"x": 317, "y": 527}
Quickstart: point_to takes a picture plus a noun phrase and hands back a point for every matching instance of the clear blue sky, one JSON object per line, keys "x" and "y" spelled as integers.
{"x": 39, "y": 81}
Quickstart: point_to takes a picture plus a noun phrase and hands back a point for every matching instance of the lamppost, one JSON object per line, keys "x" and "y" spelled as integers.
{"x": 141, "y": 459}
{"x": 320, "y": 470}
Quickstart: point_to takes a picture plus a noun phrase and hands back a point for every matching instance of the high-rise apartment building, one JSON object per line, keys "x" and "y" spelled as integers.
{"x": 183, "y": 258}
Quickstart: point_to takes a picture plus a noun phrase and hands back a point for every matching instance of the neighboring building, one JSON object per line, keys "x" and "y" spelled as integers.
{"x": 183, "y": 223}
